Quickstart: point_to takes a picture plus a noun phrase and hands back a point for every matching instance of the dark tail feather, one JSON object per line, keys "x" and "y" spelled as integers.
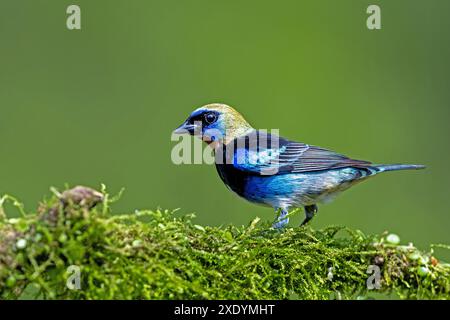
{"x": 395, "y": 167}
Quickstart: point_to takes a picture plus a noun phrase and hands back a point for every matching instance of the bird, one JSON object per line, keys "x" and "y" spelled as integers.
{"x": 267, "y": 169}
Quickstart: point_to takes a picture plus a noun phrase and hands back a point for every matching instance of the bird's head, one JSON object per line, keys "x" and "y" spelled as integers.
{"x": 215, "y": 123}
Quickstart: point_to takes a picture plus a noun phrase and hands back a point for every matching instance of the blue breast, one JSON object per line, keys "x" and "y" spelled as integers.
{"x": 259, "y": 189}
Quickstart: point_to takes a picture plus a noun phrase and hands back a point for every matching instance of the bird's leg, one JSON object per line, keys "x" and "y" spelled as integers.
{"x": 309, "y": 213}
{"x": 281, "y": 220}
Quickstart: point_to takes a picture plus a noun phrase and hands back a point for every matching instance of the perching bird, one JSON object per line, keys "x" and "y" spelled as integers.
{"x": 273, "y": 171}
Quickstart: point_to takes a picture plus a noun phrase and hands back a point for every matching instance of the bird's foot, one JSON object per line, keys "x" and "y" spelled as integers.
{"x": 281, "y": 221}
{"x": 309, "y": 213}
{"x": 280, "y": 224}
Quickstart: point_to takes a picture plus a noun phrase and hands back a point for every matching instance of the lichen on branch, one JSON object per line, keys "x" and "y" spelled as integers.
{"x": 162, "y": 254}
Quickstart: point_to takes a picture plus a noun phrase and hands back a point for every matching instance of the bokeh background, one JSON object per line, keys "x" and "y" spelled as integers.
{"x": 98, "y": 105}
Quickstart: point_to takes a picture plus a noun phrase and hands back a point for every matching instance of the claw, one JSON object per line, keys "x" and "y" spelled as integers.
{"x": 309, "y": 213}
{"x": 281, "y": 221}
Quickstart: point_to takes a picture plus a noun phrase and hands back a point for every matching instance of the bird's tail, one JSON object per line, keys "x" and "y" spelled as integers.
{"x": 395, "y": 167}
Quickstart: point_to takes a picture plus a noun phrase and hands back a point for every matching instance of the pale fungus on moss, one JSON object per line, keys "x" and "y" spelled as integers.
{"x": 423, "y": 271}
{"x": 21, "y": 243}
{"x": 393, "y": 239}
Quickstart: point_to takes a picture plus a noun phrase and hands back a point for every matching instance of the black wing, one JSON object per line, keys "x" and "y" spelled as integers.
{"x": 267, "y": 154}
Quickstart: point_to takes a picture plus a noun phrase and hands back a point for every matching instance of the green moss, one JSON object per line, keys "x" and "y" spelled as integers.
{"x": 165, "y": 255}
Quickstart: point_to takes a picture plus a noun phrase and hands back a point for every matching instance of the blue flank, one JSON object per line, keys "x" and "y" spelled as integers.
{"x": 292, "y": 190}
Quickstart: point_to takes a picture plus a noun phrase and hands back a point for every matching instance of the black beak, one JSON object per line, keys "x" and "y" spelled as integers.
{"x": 186, "y": 127}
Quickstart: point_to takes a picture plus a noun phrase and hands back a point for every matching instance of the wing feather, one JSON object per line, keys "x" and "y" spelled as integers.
{"x": 281, "y": 156}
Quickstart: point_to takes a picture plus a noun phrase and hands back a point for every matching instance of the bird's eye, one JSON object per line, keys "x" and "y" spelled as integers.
{"x": 210, "y": 117}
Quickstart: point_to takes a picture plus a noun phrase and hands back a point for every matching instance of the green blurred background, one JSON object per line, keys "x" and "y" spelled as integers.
{"x": 98, "y": 105}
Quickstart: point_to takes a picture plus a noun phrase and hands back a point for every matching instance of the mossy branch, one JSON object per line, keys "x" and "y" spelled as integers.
{"x": 164, "y": 255}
